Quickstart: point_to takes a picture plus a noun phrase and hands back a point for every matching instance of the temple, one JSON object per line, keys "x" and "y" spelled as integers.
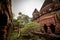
{"x": 48, "y": 16}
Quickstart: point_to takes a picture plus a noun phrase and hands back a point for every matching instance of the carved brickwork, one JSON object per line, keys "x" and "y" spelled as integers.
{"x": 50, "y": 15}
{"x": 5, "y": 19}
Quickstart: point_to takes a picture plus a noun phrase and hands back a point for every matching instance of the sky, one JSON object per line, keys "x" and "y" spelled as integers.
{"x": 25, "y": 6}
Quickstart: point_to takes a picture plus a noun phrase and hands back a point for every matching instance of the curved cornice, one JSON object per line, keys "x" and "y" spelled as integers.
{"x": 51, "y": 5}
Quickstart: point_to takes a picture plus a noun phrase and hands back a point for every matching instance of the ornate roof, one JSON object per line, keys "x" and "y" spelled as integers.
{"x": 50, "y": 5}
{"x": 35, "y": 11}
{"x": 46, "y": 3}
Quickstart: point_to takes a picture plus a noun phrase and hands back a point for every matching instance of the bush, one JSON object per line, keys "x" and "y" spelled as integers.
{"x": 13, "y": 35}
{"x": 28, "y": 28}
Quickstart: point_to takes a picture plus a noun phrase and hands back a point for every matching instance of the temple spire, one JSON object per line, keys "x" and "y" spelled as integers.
{"x": 35, "y": 11}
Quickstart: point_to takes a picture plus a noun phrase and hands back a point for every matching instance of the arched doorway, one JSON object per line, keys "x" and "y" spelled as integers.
{"x": 52, "y": 27}
{"x": 45, "y": 28}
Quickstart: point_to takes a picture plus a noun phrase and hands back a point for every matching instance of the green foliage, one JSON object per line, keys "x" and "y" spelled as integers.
{"x": 30, "y": 27}
{"x": 16, "y": 20}
{"x": 19, "y": 21}
{"x": 19, "y": 13}
{"x": 42, "y": 38}
{"x": 23, "y": 17}
{"x": 26, "y": 31}
{"x": 13, "y": 35}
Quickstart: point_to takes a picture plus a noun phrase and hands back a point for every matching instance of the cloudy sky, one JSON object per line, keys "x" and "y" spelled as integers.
{"x": 26, "y": 6}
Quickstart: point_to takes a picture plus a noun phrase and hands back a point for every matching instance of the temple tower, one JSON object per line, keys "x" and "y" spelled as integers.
{"x": 49, "y": 15}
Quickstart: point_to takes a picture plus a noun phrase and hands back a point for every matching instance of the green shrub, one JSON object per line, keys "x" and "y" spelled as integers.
{"x": 13, "y": 35}
{"x": 30, "y": 27}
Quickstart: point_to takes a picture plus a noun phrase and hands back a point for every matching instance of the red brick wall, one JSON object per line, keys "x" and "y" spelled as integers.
{"x": 47, "y": 19}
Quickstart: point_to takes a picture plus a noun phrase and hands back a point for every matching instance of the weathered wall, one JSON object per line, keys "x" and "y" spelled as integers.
{"x": 5, "y": 19}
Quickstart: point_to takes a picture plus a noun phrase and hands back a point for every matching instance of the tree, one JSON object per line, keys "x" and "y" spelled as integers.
{"x": 26, "y": 32}
{"x": 16, "y": 29}
{"x": 24, "y": 18}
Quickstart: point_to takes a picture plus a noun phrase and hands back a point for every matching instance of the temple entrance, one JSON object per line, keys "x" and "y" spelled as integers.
{"x": 45, "y": 28}
{"x": 52, "y": 27}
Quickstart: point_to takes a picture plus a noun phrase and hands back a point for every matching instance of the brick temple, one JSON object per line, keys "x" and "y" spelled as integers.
{"x": 48, "y": 16}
